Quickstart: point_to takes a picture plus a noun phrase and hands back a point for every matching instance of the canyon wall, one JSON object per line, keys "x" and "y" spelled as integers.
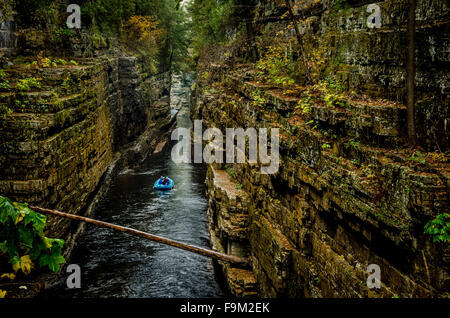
{"x": 60, "y": 140}
{"x": 347, "y": 193}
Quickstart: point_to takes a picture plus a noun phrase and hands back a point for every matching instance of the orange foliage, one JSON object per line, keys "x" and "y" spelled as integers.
{"x": 143, "y": 33}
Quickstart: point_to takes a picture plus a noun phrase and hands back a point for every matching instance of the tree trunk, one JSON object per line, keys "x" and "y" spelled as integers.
{"x": 299, "y": 39}
{"x": 251, "y": 40}
{"x": 411, "y": 72}
{"x": 244, "y": 262}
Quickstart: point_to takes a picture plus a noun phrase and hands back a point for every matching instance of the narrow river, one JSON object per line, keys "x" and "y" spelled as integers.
{"x": 119, "y": 265}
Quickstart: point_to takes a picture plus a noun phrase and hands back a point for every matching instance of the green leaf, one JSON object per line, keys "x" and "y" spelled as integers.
{"x": 25, "y": 236}
{"x": 4, "y": 247}
{"x": 7, "y": 209}
{"x": 439, "y": 228}
{"x": 52, "y": 261}
{"x": 15, "y": 262}
{"x": 38, "y": 220}
{"x": 38, "y": 247}
{"x": 57, "y": 243}
{"x": 12, "y": 247}
{"x": 22, "y": 232}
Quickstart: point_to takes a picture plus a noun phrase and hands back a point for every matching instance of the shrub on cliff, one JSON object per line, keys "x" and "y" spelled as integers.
{"x": 22, "y": 239}
{"x": 142, "y": 33}
{"x": 439, "y": 229}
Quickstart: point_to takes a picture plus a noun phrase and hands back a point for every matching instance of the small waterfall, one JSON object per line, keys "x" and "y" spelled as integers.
{"x": 7, "y": 37}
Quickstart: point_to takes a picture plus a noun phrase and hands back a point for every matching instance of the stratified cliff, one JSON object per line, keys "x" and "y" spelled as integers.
{"x": 75, "y": 109}
{"x": 349, "y": 191}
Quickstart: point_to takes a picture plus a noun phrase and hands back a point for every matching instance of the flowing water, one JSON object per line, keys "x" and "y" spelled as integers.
{"x": 114, "y": 264}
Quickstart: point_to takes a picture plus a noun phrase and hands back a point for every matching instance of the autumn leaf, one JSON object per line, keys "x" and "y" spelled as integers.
{"x": 26, "y": 264}
{"x": 10, "y": 276}
{"x": 15, "y": 262}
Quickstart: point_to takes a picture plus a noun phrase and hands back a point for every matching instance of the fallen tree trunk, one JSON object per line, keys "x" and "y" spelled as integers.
{"x": 194, "y": 249}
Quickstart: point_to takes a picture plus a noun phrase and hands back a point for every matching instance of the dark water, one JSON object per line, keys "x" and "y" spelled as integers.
{"x": 114, "y": 264}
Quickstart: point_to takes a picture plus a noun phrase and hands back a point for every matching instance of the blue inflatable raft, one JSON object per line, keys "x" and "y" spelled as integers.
{"x": 159, "y": 185}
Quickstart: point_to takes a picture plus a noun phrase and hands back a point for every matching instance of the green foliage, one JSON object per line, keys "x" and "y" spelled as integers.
{"x": 332, "y": 93}
{"x": 418, "y": 157}
{"x": 108, "y": 18}
{"x": 209, "y": 18}
{"x": 340, "y": 4}
{"x": 333, "y": 100}
{"x": 175, "y": 22}
{"x": 329, "y": 91}
{"x": 274, "y": 67}
{"x": 23, "y": 241}
{"x": 258, "y": 98}
{"x": 4, "y": 83}
{"x": 439, "y": 228}
{"x": 21, "y": 104}
{"x": 111, "y": 16}
{"x": 6, "y": 9}
{"x": 62, "y": 34}
{"x": 67, "y": 84}
{"x": 214, "y": 21}
{"x": 230, "y": 171}
{"x": 60, "y": 62}
{"x": 4, "y": 111}
{"x": 313, "y": 124}
{"x": 27, "y": 84}
{"x": 39, "y": 13}
{"x": 304, "y": 104}
{"x": 354, "y": 144}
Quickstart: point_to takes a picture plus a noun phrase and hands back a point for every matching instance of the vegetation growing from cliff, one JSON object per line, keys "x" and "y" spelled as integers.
{"x": 439, "y": 229}
{"x": 216, "y": 21}
{"x": 6, "y": 7}
{"x": 4, "y": 82}
{"x": 23, "y": 241}
{"x": 274, "y": 67}
{"x": 143, "y": 34}
{"x": 160, "y": 28}
{"x": 28, "y": 83}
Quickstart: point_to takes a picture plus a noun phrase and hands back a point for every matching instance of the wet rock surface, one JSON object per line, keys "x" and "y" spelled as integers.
{"x": 60, "y": 140}
{"x": 335, "y": 206}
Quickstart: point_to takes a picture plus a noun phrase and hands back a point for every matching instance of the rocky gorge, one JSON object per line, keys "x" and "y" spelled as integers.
{"x": 86, "y": 118}
{"x": 64, "y": 140}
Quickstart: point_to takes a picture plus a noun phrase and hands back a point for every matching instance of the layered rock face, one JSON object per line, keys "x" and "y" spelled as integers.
{"x": 347, "y": 194}
{"x": 59, "y": 140}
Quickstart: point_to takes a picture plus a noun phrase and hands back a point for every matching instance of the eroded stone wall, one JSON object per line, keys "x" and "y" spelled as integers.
{"x": 347, "y": 193}
{"x": 59, "y": 140}
{"x": 373, "y": 61}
